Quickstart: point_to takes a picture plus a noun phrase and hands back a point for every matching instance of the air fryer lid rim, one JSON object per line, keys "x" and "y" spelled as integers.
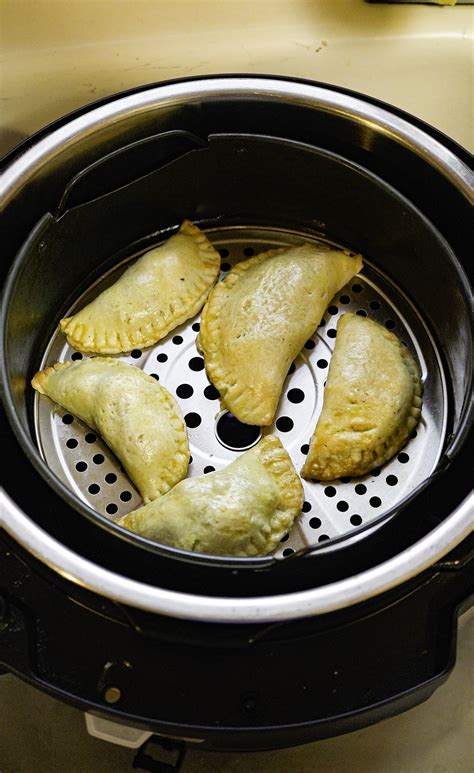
{"x": 251, "y": 87}
{"x": 302, "y": 93}
{"x": 328, "y": 598}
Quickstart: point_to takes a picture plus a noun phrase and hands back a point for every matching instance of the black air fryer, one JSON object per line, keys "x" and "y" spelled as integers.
{"x": 353, "y": 619}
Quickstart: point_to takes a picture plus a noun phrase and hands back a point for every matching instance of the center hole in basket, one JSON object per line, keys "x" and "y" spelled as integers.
{"x": 232, "y": 434}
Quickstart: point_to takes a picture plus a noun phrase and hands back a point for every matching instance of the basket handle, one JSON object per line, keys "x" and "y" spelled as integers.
{"x": 127, "y": 165}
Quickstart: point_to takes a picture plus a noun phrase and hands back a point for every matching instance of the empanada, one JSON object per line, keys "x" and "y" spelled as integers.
{"x": 372, "y": 402}
{"x": 256, "y": 321}
{"x": 243, "y": 510}
{"x": 165, "y": 287}
{"x": 136, "y": 417}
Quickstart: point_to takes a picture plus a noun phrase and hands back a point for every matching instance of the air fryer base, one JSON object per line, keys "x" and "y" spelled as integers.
{"x": 260, "y": 687}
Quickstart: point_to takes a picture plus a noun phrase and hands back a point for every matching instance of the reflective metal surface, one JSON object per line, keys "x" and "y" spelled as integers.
{"x": 187, "y": 606}
{"x": 136, "y": 107}
{"x": 331, "y": 509}
{"x": 47, "y": 165}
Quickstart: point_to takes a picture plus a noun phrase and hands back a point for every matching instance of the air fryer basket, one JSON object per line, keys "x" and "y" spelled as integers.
{"x": 85, "y": 464}
{"x": 254, "y": 174}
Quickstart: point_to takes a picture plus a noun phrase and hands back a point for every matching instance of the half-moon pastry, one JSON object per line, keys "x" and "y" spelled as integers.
{"x": 257, "y": 320}
{"x": 160, "y": 291}
{"x": 372, "y": 402}
{"x": 138, "y": 419}
{"x": 243, "y": 510}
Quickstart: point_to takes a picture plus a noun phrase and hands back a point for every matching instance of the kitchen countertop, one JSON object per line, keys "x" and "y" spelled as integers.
{"x": 60, "y": 54}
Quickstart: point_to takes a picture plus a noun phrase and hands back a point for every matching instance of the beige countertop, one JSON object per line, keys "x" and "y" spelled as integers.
{"x": 60, "y": 54}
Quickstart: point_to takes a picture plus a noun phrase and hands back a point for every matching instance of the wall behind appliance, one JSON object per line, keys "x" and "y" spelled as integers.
{"x": 60, "y": 54}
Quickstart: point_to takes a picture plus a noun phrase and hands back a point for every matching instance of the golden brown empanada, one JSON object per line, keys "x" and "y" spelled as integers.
{"x": 136, "y": 417}
{"x": 372, "y": 402}
{"x": 165, "y": 287}
{"x": 256, "y": 321}
{"x": 243, "y": 510}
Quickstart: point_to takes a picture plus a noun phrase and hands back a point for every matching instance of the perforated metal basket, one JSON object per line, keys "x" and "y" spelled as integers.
{"x": 257, "y": 163}
{"x": 330, "y": 510}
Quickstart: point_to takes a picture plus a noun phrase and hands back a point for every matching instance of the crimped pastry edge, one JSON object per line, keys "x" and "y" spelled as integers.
{"x": 276, "y": 461}
{"x": 118, "y": 342}
{"x": 392, "y": 445}
{"x": 209, "y": 334}
{"x": 41, "y": 376}
{"x": 181, "y": 459}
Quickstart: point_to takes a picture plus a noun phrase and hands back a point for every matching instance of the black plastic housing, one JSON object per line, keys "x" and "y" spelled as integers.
{"x": 233, "y": 687}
